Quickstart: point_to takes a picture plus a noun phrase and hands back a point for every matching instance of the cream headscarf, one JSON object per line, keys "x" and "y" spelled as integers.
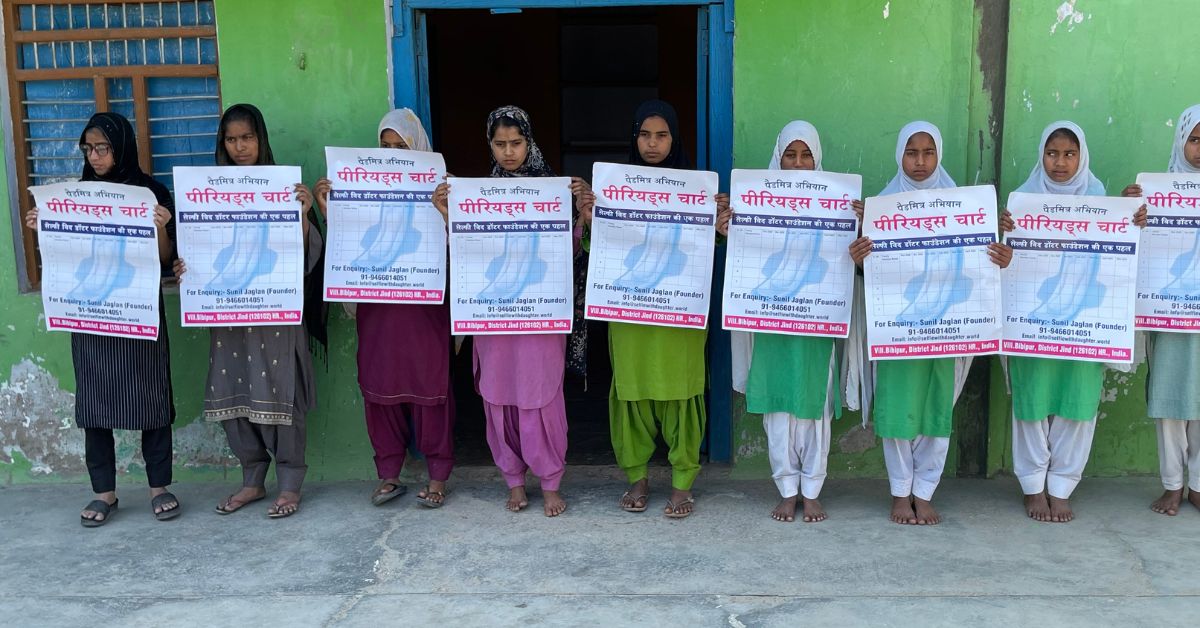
{"x": 904, "y": 183}
{"x": 408, "y": 126}
{"x": 797, "y": 130}
{"x": 1187, "y": 121}
{"x": 1083, "y": 183}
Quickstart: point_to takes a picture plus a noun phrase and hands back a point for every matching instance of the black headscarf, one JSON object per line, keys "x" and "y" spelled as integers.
{"x": 534, "y": 165}
{"x": 250, "y": 114}
{"x": 316, "y": 311}
{"x": 677, "y": 158}
{"x": 126, "y": 169}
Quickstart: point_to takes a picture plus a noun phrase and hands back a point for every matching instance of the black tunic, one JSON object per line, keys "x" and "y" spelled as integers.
{"x": 124, "y": 383}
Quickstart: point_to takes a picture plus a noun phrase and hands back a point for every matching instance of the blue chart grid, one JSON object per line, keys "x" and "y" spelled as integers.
{"x": 659, "y": 255}
{"x": 1069, "y": 286}
{"x": 104, "y": 271}
{"x": 936, "y": 283}
{"x": 525, "y": 265}
{"x": 791, "y": 261}
{"x": 234, "y": 257}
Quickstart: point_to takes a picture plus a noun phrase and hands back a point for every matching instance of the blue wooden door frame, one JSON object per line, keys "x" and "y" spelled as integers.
{"x": 714, "y": 139}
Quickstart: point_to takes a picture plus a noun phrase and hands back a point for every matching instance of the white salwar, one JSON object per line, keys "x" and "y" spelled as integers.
{"x": 1050, "y": 455}
{"x": 798, "y": 448}
{"x": 915, "y": 466}
{"x": 1178, "y": 448}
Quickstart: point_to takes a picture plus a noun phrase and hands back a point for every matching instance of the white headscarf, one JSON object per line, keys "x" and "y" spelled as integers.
{"x": 1187, "y": 121}
{"x": 1083, "y": 183}
{"x": 406, "y": 123}
{"x": 904, "y": 183}
{"x": 797, "y": 130}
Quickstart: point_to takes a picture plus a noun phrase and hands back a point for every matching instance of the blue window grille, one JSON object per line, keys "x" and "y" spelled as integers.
{"x": 153, "y": 62}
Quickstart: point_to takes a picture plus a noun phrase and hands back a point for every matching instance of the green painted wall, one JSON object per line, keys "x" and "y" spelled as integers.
{"x": 318, "y": 71}
{"x": 326, "y": 84}
{"x": 1119, "y": 69}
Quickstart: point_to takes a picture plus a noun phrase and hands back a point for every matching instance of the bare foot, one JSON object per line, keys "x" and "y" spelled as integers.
{"x": 286, "y": 505}
{"x": 1168, "y": 504}
{"x": 813, "y": 511}
{"x": 435, "y": 492}
{"x": 516, "y": 499}
{"x": 902, "y": 511}
{"x": 553, "y": 504}
{"x": 246, "y": 495}
{"x": 635, "y": 499}
{"x": 109, "y": 498}
{"x": 1037, "y": 507}
{"x": 1194, "y": 498}
{"x": 926, "y": 515}
{"x": 680, "y": 505}
{"x": 786, "y": 510}
{"x": 1060, "y": 510}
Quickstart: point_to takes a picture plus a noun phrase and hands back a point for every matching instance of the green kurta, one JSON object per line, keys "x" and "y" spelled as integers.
{"x": 791, "y": 374}
{"x": 659, "y": 363}
{"x": 1173, "y": 389}
{"x": 914, "y": 398}
{"x": 1067, "y": 388}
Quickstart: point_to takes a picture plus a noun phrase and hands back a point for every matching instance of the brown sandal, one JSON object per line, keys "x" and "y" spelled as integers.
{"x": 237, "y": 505}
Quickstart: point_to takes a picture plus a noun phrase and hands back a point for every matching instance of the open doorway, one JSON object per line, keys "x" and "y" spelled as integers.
{"x": 580, "y": 73}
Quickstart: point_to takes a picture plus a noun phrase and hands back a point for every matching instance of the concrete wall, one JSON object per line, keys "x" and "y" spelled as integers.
{"x": 858, "y": 69}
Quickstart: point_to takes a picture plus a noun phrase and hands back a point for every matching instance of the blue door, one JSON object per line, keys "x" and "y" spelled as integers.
{"x": 713, "y": 115}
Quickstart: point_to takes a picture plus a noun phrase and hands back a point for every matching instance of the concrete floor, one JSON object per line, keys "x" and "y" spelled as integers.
{"x": 342, "y": 562}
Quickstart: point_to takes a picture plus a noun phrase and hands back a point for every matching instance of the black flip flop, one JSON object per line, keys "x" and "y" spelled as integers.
{"x": 380, "y": 499}
{"x": 100, "y": 507}
{"x": 429, "y": 503}
{"x": 159, "y": 500}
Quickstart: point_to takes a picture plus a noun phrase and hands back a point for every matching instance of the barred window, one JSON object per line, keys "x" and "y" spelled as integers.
{"x": 153, "y": 62}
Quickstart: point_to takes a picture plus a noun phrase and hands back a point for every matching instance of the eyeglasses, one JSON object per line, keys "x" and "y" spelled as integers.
{"x": 101, "y": 150}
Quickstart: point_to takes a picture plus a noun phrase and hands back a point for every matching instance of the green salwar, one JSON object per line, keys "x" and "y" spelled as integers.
{"x": 914, "y": 398}
{"x": 658, "y": 380}
{"x": 1044, "y": 387}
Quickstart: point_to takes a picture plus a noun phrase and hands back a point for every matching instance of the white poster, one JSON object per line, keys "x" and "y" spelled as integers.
{"x": 240, "y": 234}
{"x": 931, "y": 289}
{"x": 1168, "y": 284}
{"x": 511, "y": 252}
{"x": 385, "y": 242}
{"x": 653, "y": 235}
{"x": 788, "y": 269}
{"x": 1069, "y": 292}
{"x": 100, "y": 266}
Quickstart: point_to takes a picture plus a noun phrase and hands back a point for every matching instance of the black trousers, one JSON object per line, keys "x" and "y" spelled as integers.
{"x": 100, "y": 452}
